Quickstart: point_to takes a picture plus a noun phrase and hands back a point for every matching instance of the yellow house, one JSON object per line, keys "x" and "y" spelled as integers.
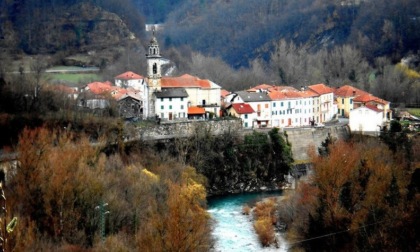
{"x": 344, "y": 97}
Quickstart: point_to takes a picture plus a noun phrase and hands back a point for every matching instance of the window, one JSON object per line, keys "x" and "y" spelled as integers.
{"x": 170, "y": 99}
{"x": 351, "y": 101}
{"x": 161, "y": 107}
{"x": 182, "y": 106}
{"x": 182, "y": 98}
{"x": 246, "y": 116}
{"x": 274, "y": 104}
{"x": 161, "y": 99}
{"x": 246, "y": 125}
{"x": 155, "y": 68}
{"x": 342, "y": 101}
{"x": 282, "y": 104}
{"x": 170, "y": 106}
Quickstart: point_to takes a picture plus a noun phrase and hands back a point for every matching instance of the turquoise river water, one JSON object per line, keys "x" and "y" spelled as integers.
{"x": 233, "y": 231}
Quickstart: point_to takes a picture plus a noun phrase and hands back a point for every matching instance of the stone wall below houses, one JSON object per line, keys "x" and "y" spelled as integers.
{"x": 303, "y": 138}
{"x": 188, "y": 129}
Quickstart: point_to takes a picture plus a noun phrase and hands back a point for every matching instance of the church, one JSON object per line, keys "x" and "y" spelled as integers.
{"x": 175, "y": 98}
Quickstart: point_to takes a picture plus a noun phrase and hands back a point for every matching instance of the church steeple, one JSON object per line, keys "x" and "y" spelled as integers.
{"x": 154, "y": 69}
{"x": 154, "y": 74}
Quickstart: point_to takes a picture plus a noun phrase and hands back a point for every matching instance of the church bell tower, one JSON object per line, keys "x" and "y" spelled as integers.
{"x": 154, "y": 63}
{"x": 154, "y": 74}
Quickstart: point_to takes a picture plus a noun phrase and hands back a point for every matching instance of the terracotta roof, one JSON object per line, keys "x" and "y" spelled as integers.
{"x": 369, "y": 98}
{"x": 261, "y": 86}
{"x": 185, "y": 81}
{"x": 277, "y": 95}
{"x": 100, "y": 87}
{"x": 321, "y": 88}
{"x": 308, "y": 93}
{"x": 64, "y": 89}
{"x": 196, "y": 111}
{"x": 135, "y": 96}
{"x": 374, "y": 108}
{"x": 129, "y": 76}
{"x": 242, "y": 108}
{"x": 224, "y": 93}
{"x": 348, "y": 91}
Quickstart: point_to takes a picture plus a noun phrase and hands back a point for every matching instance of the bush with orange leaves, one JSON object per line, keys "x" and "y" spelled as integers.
{"x": 265, "y": 219}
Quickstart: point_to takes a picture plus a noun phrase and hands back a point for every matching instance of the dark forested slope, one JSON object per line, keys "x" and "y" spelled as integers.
{"x": 238, "y": 30}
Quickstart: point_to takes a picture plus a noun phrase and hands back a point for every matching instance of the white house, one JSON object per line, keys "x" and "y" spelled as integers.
{"x": 260, "y": 103}
{"x": 201, "y": 93}
{"x": 366, "y": 120}
{"x": 245, "y": 112}
{"x": 323, "y": 104}
{"x": 172, "y": 104}
{"x": 290, "y": 107}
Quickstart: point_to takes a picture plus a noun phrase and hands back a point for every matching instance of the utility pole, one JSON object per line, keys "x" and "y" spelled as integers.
{"x": 3, "y": 227}
{"x": 102, "y": 213}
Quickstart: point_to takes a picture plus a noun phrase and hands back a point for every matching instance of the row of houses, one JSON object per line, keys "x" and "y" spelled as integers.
{"x": 188, "y": 97}
{"x": 284, "y": 106}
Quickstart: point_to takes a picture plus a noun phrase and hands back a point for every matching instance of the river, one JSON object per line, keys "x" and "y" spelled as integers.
{"x": 232, "y": 230}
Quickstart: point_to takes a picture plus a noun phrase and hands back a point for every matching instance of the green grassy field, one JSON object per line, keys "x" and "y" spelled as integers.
{"x": 414, "y": 111}
{"x": 73, "y": 79}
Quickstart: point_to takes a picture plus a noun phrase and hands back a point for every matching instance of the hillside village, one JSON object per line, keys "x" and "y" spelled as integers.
{"x": 172, "y": 99}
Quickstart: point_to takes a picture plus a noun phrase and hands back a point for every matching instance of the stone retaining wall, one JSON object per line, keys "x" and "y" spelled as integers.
{"x": 302, "y": 139}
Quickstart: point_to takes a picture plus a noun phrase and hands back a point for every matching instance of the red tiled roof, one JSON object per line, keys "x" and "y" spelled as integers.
{"x": 129, "y": 76}
{"x": 308, "y": 93}
{"x": 261, "y": 86}
{"x": 277, "y": 95}
{"x": 242, "y": 108}
{"x": 364, "y": 98}
{"x": 321, "y": 88}
{"x": 224, "y": 93}
{"x": 184, "y": 81}
{"x": 348, "y": 91}
{"x": 64, "y": 89}
{"x": 373, "y": 107}
{"x": 100, "y": 87}
{"x": 196, "y": 111}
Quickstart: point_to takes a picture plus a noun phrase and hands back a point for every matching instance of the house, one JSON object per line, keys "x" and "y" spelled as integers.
{"x": 324, "y": 103}
{"x": 196, "y": 113}
{"x": 202, "y": 93}
{"x": 373, "y": 101}
{"x": 130, "y": 106}
{"x": 291, "y": 107}
{"x": 172, "y": 104}
{"x": 349, "y": 98}
{"x": 366, "y": 120}
{"x": 344, "y": 96}
{"x": 130, "y": 79}
{"x": 243, "y": 111}
{"x": 260, "y": 103}
{"x": 96, "y": 95}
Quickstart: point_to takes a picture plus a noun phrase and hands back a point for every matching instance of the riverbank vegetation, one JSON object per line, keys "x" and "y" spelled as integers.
{"x": 63, "y": 188}
{"x": 233, "y": 163}
{"x": 264, "y": 221}
{"x": 363, "y": 195}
